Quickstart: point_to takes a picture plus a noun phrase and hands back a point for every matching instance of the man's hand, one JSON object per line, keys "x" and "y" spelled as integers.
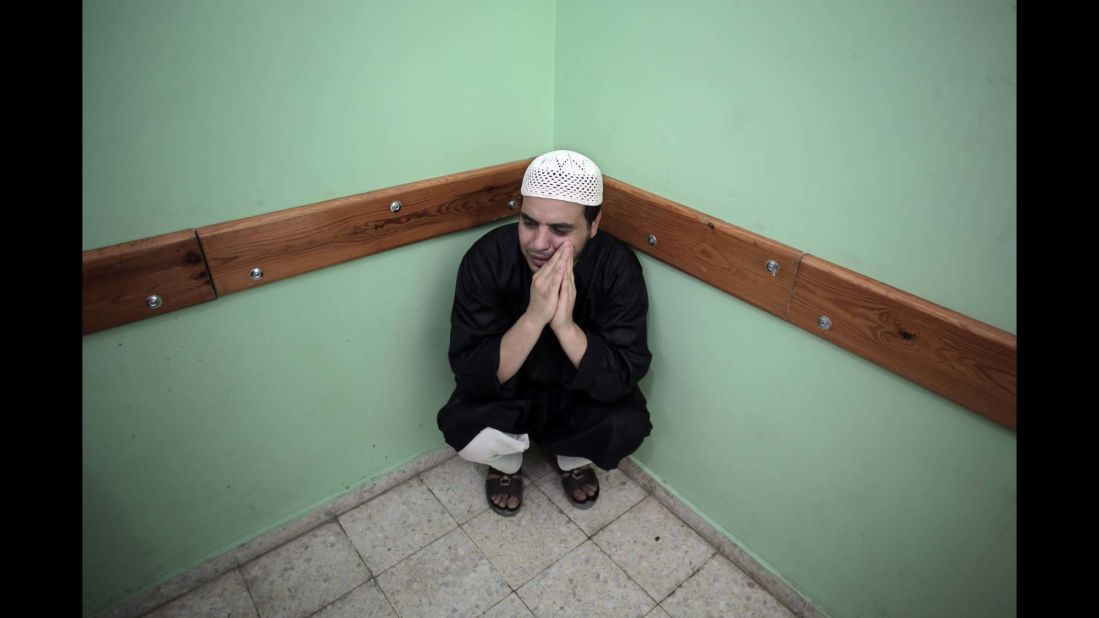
{"x": 545, "y": 293}
{"x": 545, "y": 286}
{"x": 566, "y": 298}
{"x": 572, "y": 338}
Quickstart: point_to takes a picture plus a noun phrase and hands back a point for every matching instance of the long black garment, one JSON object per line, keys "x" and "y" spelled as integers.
{"x": 595, "y": 410}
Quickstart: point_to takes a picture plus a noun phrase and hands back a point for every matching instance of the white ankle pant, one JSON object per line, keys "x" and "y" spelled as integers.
{"x": 504, "y": 451}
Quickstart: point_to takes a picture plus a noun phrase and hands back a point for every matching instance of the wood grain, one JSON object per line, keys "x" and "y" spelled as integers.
{"x": 962, "y": 359}
{"x": 302, "y": 239}
{"x": 727, "y": 257}
{"x": 118, "y": 279}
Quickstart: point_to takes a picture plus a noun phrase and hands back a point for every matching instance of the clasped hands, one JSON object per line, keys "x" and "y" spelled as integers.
{"x": 553, "y": 291}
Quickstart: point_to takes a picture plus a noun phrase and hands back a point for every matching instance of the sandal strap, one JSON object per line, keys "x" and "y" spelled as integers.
{"x": 577, "y": 476}
{"x": 504, "y": 482}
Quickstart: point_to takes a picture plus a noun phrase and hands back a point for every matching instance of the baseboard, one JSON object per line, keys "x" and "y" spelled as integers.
{"x": 246, "y": 552}
{"x": 779, "y": 588}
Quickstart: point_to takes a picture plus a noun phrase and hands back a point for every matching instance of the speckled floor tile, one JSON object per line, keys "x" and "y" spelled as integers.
{"x": 305, "y": 574}
{"x": 510, "y": 607}
{"x": 447, "y": 578}
{"x": 224, "y": 596}
{"x": 622, "y": 570}
{"x": 657, "y": 549}
{"x": 721, "y": 589}
{"x": 396, "y": 524}
{"x": 521, "y": 546}
{"x": 617, "y": 493}
{"x": 585, "y": 583}
{"x": 460, "y": 486}
{"x": 779, "y": 588}
{"x": 366, "y": 601}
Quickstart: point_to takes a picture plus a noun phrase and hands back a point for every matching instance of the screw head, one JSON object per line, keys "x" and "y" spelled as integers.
{"x": 772, "y": 267}
{"x": 395, "y": 206}
{"x": 256, "y": 274}
{"x": 154, "y": 301}
{"x": 824, "y": 322}
{"x": 652, "y": 240}
{"x": 513, "y": 204}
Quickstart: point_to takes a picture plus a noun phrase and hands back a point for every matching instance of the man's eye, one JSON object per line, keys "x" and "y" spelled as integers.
{"x": 530, "y": 224}
{"x": 560, "y": 232}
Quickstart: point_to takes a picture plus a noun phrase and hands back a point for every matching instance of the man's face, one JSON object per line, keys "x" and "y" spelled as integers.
{"x": 545, "y": 225}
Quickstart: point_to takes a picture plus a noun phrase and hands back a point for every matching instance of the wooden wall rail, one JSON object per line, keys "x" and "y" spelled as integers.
{"x": 119, "y": 280}
{"x": 727, "y": 257}
{"x": 194, "y": 266}
{"x": 962, "y": 359}
{"x": 966, "y": 361}
{"x": 298, "y": 240}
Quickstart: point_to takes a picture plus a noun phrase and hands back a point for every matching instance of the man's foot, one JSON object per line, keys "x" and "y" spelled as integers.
{"x": 504, "y": 491}
{"x": 581, "y": 485}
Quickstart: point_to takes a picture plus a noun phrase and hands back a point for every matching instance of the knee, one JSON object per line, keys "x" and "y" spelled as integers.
{"x": 628, "y": 427}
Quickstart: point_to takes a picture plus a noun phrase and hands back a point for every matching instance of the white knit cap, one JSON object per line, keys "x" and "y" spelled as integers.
{"x": 564, "y": 175}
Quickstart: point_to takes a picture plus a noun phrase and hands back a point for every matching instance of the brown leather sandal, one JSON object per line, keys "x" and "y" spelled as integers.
{"x": 500, "y": 483}
{"x": 575, "y": 479}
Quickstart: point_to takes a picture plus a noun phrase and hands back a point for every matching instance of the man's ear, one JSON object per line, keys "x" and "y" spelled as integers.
{"x": 595, "y": 224}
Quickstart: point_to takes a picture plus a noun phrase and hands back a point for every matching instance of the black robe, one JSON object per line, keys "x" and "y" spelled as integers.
{"x": 595, "y": 410}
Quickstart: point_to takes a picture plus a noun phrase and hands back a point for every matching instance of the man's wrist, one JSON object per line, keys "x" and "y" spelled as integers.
{"x": 573, "y": 340}
{"x": 565, "y": 328}
{"x": 531, "y": 322}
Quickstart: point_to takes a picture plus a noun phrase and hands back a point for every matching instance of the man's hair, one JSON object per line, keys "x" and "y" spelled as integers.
{"x": 591, "y": 212}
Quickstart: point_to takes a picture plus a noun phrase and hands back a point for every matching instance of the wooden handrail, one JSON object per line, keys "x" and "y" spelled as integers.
{"x": 125, "y": 282}
{"x": 965, "y": 360}
{"x": 193, "y": 266}
{"x": 962, "y": 359}
{"x": 299, "y": 240}
{"x": 728, "y": 257}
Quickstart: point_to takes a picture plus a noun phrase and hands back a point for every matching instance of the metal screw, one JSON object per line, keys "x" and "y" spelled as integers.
{"x": 395, "y": 206}
{"x": 652, "y": 240}
{"x": 512, "y": 204}
{"x": 824, "y": 322}
{"x": 154, "y": 301}
{"x": 256, "y": 274}
{"x": 772, "y": 267}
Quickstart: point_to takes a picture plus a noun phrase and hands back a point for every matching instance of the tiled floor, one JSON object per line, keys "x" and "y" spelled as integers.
{"x": 432, "y": 547}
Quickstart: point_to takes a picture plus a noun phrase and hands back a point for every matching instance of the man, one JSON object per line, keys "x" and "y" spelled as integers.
{"x": 548, "y": 339}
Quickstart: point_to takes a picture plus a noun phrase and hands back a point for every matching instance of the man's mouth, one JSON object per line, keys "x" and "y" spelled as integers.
{"x": 539, "y": 262}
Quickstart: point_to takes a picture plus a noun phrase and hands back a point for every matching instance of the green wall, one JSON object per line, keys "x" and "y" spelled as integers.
{"x": 209, "y": 426}
{"x": 880, "y": 136}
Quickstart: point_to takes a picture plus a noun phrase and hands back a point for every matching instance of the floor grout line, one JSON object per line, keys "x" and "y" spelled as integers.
{"x": 649, "y": 487}
{"x": 628, "y": 576}
{"x": 248, "y": 589}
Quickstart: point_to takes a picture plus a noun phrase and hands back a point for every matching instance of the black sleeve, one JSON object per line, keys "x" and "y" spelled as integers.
{"x": 478, "y": 322}
{"x": 618, "y": 352}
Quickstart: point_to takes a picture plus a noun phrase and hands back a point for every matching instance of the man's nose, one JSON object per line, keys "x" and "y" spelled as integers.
{"x": 543, "y": 240}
